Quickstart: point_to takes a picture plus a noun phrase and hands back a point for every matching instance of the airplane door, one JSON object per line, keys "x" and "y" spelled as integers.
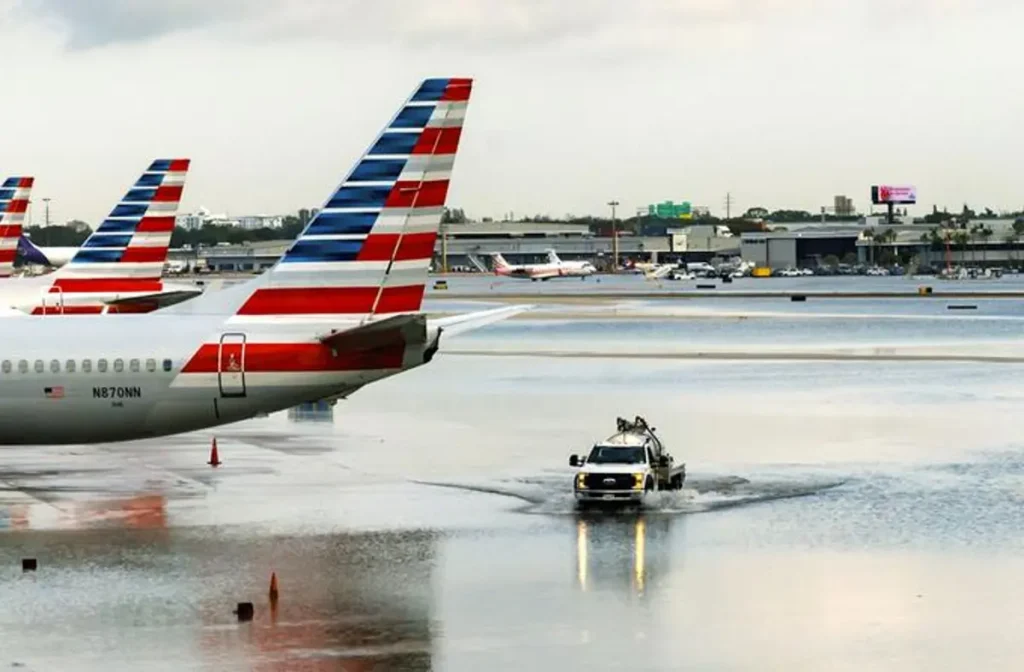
{"x": 231, "y": 365}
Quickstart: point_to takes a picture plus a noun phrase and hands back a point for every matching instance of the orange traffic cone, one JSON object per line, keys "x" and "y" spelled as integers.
{"x": 214, "y": 458}
{"x": 273, "y": 586}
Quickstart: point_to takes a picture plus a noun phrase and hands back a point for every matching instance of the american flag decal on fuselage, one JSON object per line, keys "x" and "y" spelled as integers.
{"x": 382, "y": 222}
{"x": 125, "y": 255}
{"x": 14, "y": 198}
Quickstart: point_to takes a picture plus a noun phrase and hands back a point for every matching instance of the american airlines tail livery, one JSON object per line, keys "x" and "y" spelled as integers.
{"x": 339, "y": 310}
{"x": 14, "y": 197}
{"x": 119, "y": 268}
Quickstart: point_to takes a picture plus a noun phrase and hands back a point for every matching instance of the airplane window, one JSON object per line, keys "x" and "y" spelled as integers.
{"x": 167, "y": 365}
{"x": 70, "y": 366}
{"x": 151, "y": 365}
{"x": 54, "y": 366}
{"x": 40, "y": 367}
{"x": 7, "y": 366}
{"x": 86, "y": 366}
{"x": 118, "y": 365}
{"x": 101, "y": 365}
{"x": 133, "y": 366}
{"x": 22, "y": 366}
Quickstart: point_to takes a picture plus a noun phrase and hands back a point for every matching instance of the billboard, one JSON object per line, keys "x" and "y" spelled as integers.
{"x": 670, "y": 210}
{"x": 885, "y": 194}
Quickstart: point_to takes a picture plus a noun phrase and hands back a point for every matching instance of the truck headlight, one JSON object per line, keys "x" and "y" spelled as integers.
{"x": 581, "y": 481}
{"x": 638, "y": 481}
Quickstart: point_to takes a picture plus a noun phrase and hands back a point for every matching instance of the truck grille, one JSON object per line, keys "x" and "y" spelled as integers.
{"x": 609, "y": 481}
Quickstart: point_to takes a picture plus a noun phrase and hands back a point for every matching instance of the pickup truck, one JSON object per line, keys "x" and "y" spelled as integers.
{"x": 625, "y": 468}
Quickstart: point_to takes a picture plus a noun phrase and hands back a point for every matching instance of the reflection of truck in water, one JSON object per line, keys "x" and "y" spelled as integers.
{"x": 631, "y": 553}
{"x": 626, "y": 467}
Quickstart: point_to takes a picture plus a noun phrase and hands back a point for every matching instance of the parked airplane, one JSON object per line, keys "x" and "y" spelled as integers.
{"x": 339, "y": 310}
{"x": 553, "y": 268}
{"x": 54, "y": 257}
{"x": 119, "y": 268}
{"x": 14, "y": 198}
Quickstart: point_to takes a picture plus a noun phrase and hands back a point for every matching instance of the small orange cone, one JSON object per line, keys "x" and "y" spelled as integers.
{"x": 273, "y": 586}
{"x": 214, "y": 458}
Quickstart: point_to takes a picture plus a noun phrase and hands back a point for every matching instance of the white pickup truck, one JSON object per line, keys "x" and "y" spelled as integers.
{"x": 625, "y": 468}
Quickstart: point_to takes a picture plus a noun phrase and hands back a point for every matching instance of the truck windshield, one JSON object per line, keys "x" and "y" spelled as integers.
{"x": 616, "y": 455}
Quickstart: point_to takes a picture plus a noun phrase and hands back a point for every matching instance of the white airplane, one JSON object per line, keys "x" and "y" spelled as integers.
{"x": 52, "y": 257}
{"x": 553, "y": 268}
{"x": 119, "y": 267}
{"x": 339, "y": 310}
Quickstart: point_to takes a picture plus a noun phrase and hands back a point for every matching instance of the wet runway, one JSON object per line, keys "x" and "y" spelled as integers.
{"x": 840, "y": 515}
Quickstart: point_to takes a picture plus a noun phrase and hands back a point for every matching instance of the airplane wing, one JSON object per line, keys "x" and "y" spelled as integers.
{"x": 413, "y": 328}
{"x": 147, "y": 302}
{"x": 458, "y": 324}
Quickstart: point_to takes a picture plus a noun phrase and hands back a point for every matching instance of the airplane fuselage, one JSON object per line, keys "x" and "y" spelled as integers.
{"x": 113, "y": 378}
{"x": 545, "y": 271}
{"x": 37, "y": 295}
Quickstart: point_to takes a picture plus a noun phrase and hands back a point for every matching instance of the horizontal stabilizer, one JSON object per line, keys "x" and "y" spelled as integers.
{"x": 458, "y": 324}
{"x": 148, "y": 302}
{"x": 379, "y": 334}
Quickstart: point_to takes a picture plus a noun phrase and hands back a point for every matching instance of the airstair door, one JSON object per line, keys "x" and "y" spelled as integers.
{"x": 231, "y": 365}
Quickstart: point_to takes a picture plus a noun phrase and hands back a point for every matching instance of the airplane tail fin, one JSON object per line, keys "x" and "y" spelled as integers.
{"x": 14, "y": 198}
{"x": 499, "y": 261}
{"x": 553, "y": 257}
{"x": 30, "y": 252}
{"x": 127, "y": 252}
{"x": 367, "y": 252}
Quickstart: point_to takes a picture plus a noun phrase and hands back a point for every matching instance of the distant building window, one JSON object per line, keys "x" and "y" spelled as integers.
{"x": 40, "y": 366}
{"x": 118, "y": 365}
{"x": 133, "y": 366}
{"x": 168, "y": 365}
{"x": 101, "y": 365}
{"x": 86, "y": 366}
{"x": 54, "y": 366}
{"x": 69, "y": 366}
{"x": 151, "y": 365}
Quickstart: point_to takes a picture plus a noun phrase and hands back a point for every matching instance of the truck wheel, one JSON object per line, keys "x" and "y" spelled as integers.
{"x": 649, "y": 486}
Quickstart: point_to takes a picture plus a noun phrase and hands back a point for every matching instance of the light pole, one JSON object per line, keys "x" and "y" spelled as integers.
{"x": 615, "y": 239}
{"x": 47, "y": 202}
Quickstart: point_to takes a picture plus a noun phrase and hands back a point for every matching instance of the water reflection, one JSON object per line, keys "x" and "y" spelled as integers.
{"x": 353, "y": 602}
{"x": 617, "y": 552}
{"x": 315, "y": 411}
{"x": 140, "y": 512}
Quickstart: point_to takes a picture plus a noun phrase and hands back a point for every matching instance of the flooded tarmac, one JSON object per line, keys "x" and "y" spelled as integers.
{"x": 836, "y": 515}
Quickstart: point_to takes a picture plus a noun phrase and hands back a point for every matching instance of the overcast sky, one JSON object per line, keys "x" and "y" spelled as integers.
{"x": 782, "y": 102}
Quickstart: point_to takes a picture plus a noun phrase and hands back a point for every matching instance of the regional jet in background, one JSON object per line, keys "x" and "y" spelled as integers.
{"x": 342, "y": 308}
{"x": 120, "y": 266}
{"x": 553, "y": 268}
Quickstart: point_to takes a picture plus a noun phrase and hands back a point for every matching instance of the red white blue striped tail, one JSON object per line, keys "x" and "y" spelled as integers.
{"x": 127, "y": 252}
{"x": 368, "y": 250}
{"x": 14, "y": 198}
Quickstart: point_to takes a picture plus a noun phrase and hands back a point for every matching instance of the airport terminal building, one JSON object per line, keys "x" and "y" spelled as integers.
{"x": 468, "y": 246}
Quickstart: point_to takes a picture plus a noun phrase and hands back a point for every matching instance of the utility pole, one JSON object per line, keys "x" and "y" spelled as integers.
{"x": 615, "y": 239}
{"x": 47, "y": 202}
{"x": 728, "y": 206}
